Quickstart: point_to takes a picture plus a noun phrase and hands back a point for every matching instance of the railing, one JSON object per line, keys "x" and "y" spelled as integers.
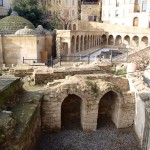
{"x": 74, "y": 59}
{"x": 48, "y": 62}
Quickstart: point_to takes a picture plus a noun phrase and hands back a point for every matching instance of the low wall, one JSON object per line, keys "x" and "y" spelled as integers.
{"x": 9, "y": 89}
{"x": 142, "y": 108}
{"x": 23, "y": 131}
{"x": 45, "y": 77}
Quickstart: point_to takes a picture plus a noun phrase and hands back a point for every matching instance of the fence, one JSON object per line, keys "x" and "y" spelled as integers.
{"x": 48, "y": 62}
{"x": 52, "y": 61}
{"x": 111, "y": 57}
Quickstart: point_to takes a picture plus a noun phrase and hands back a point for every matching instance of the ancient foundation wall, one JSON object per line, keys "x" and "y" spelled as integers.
{"x": 142, "y": 109}
{"x": 20, "y": 115}
{"x": 91, "y": 93}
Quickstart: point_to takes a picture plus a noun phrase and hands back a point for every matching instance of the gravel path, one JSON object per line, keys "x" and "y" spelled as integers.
{"x": 107, "y": 137}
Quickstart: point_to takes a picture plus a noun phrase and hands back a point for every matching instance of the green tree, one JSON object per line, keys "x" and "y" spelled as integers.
{"x": 29, "y": 9}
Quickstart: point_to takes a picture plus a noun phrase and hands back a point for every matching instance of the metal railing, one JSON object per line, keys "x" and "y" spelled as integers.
{"x": 48, "y": 62}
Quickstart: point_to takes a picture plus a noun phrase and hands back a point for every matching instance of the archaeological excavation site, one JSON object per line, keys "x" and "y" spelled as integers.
{"x": 82, "y": 107}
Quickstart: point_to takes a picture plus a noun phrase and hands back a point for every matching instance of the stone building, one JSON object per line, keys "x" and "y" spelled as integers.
{"x": 129, "y": 12}
{"x": 19, "y": 38}
{"x": 5, "y": 5}
{"x": 91, "y": 11}
{"x": 66, "y": 11}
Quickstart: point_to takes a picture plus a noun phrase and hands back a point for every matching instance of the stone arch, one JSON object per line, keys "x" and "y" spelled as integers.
{"x": 118, "y": 40}
{"x": 71, "y": 112}
{"x": 104, "y": 39}
{"x": 110, "y": 40}
{"x": 77, "y": 43}
{"x": 110, "y": 103}
{"x": 72, "y": 44}
{"x": 126, "y": 40}
{"x": 135, "y": 21}
{"x": 144, "y": 41}
{"x": 135, "y": 41}
{"x": 81, "y": 43}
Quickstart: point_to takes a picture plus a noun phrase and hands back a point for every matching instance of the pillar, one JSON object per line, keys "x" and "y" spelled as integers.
{"x": 1, "y": 51}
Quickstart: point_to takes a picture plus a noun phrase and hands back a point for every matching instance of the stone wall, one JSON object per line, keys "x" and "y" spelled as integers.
{"x": 9, "y": 89}
{"x": 90, "y": 91}
{"x": 14, "y": 48}
{"x": 142, "y": 108}
{"x": 92, "y": 11}
{"x": 116, "y": 28}
{"x": 20, "y": 130}
{"x": 42, "y": 78}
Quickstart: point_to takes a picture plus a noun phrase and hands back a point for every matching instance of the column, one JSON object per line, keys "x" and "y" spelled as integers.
{"x": 1, "y": 51}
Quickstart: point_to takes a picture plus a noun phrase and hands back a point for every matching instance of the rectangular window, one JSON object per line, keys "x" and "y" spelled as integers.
{"x": 132, "y": 1}
{"x": 117, "y": 3}
{"x": 111, "y": 2}
{"x": 116, "y": 13}
{"x": 144, "y": 6}
{"x": 73, "y": 2}
{"x": 90, "y": 18}
{"x": 66, "y": 2}
{"x": 1, "y": 2}
{"x": 73, "y": 13}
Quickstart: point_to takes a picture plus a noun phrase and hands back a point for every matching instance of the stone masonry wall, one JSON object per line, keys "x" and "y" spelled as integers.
{"x": 142, "y": 108}
{"x": 91, "y": 92}
{"x": 26, "y": 124}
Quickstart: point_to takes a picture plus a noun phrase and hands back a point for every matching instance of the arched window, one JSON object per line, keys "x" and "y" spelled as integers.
{"x": 135, "y": 21}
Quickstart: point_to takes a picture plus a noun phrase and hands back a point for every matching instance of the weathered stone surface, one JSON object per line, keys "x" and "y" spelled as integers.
{"x": 9, "y": 88}
{"x": 90, "y": 88}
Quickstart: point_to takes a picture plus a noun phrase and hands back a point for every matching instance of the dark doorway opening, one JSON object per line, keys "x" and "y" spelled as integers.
{"x": 71, "y": 112}
{"x": 106, "y": 110}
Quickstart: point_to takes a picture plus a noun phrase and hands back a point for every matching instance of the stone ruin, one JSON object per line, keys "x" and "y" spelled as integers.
{"x": 90, "y": 93}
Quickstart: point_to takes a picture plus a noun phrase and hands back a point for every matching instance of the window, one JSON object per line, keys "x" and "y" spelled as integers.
{"x": 73, "y": 13}
{"x": 139, "y": 1}
{"x": 66, "y": 2}
{"x": 111, "y": 2}
{"x": 1, "y": 2}
{"x": 144, "y": 6}
{"x": 73, "y": 2}
{"x": 116, "y": 13}
{"x": 95, "y": 18}
{"x": 117, "y": 3}
{"x": 132, "y": 1}
{"x": 90, "y": 18}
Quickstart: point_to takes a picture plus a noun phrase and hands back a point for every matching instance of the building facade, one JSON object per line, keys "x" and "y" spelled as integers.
{"x": 91, "y": 11}
{"x": 126, "y": 12}
{"x": 5, "y": 5}
{"x": 65, "y": 10}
